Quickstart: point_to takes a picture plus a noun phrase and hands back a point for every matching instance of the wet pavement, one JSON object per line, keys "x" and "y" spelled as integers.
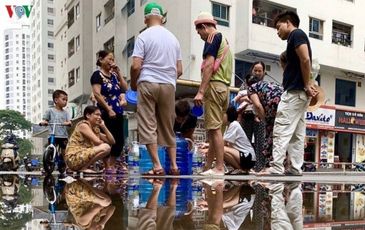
{"x": 118, "y": 202}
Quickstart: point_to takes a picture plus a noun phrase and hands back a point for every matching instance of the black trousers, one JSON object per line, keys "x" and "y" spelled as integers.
{"x": 115, "y": 126}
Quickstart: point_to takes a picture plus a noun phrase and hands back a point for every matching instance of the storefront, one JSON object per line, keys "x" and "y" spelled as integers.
{"x": 335, "y": 135}
{"x": 350, "y": 137}
{"x": 320, "y": 134}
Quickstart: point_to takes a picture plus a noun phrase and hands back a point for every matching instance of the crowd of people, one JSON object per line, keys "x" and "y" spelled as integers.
{"x": 254, "y": 137}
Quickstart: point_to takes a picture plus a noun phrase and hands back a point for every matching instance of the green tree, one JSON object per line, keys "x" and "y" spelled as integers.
{"x": 11, "y": 120}
{"x": 25, "y": 146}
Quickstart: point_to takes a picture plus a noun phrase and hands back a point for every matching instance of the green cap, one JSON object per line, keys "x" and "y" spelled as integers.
{"x": 153, "y": 8}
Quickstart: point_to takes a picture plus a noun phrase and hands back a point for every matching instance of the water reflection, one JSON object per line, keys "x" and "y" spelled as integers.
{"x": 135, "y": 203}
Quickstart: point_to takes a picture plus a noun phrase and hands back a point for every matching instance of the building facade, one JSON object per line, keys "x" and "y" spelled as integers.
{"x": 17, "y": 87}
{"x": 43, "y": 56}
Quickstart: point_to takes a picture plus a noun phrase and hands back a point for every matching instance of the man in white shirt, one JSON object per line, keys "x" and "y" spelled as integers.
{"x": 156, "y": 66}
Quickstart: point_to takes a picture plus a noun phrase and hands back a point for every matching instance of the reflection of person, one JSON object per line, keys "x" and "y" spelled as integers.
{"x": 87, "y": 144}
{"x": 90, "y": 207}
{"x": 156, "y": 66}
{"x": 214, "y": 198}
{"x": 158, "y": 217}
{"x": 107, "y": 87}
{"x": 289, "y": 126}
{"x": 213, "y": 91}
{"x": 185, "y": 122}
{"x": 286, "y": 206}
{"x": 252, "y": 126}
{"x": 58, "y": 114}
{"x": 238, "y": 202}
{"x": 265, "y": 97}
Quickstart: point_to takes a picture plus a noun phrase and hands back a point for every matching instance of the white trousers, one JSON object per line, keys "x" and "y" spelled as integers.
{"x": 289, "y": 131}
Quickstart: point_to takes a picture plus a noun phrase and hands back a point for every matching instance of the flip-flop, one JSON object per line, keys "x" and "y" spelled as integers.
{"x": 154, "y": 172}
{"x": 174, "y": 172}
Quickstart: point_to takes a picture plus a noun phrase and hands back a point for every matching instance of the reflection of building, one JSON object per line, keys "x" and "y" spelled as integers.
{"x": 331, "y": 206}
{"x": 335, "y": 134}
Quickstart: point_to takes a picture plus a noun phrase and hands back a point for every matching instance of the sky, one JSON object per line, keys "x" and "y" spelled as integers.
{"x": 7, "y": 22}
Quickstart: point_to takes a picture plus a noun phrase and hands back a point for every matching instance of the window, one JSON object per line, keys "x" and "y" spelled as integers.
{"x": 71, "y": 47}
{"x": 264, "y": 12}
{"x": 6, "y": 37}
{"x": 50, "y": 22}
{"x": 109, "y": 45}
{"x": 77, "y": 40}
{"x": 109, "y": 11}
{"x": 50, "y": 103}
{"x": 71, "y": 78}
{"x": 50, "y": 10}
{"x": 130, "y": 7}
{"x": 70, "y": 17}
{"x": 143, "y": 2}
{"x": 50, "y": 80}
{"x": 50, "y": 45}
{"x": 220, "y": 13}
{"x": 316, "y": 28}
{"x": 51, "y": 57}
{"x": 341, "y": 34}
{"x": 77, "y": 74}
{"x": 50, "y": 91}
{"x": 345, "y": 92}
{"x": 98, "y": 22}
{"x": 77, "y": 9}
{"x": 50, "y": 33}
{"x": 130, "y": 46}
{"x": 50, "y": 69}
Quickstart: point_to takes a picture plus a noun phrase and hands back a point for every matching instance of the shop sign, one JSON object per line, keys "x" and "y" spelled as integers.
{"x": 350, "y": 120}
{"x": 321, "y": 117}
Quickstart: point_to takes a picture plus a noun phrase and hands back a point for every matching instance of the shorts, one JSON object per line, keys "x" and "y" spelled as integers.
{"x": 215, "y": 104}
{"x": 246, "y": 163}
{"x": 156, "y": 114}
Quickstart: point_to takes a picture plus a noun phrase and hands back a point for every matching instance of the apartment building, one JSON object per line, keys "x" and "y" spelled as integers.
{"x": 43, "y": 57}
{"x": 16, "y": 89}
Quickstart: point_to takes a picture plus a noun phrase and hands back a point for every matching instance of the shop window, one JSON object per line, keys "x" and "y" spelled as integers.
{"x": 316, "y": 28}
{"x": 264, "y": 12}
{"x": 345, "y": 92}
{"x": 220, "y": 13}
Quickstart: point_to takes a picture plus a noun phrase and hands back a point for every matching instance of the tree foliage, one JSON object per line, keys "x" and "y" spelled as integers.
{"x": 11, "y": 120}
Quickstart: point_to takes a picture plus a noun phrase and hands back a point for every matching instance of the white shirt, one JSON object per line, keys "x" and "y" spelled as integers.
{"x": 160, "y": 51}
{"x": 234, "y": 134}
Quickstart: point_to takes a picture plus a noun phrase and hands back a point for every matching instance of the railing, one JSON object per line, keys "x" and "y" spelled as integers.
{"x": 341, "y": 38}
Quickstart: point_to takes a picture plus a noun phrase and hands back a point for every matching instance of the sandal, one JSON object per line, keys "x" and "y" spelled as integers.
{"x": 174, "y": 172}
{"x": 154, "y": 172}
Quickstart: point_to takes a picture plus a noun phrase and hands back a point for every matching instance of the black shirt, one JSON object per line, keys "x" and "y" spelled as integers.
{"x": 293, "y": 79}
{"x": 212, "y": 45}
{"x": 190, "y": 123}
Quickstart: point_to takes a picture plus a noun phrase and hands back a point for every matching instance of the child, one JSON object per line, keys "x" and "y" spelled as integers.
{"x": 57, "y": 114}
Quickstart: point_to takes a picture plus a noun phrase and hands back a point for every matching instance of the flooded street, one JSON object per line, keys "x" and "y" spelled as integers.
{"x": 112, "y": 202}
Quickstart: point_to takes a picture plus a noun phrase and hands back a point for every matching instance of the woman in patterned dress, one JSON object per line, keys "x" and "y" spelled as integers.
{"x": 265, "y": 97}
{"x": 87, "y": 144}
{"x": 108, "y": 87}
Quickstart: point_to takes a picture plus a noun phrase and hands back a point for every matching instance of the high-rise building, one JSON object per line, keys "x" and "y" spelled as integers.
{"x": 43, "y": 56}
{"x": 17, "y": 70}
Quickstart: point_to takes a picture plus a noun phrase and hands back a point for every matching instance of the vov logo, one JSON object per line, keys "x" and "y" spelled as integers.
{"x": 19, "y": 10}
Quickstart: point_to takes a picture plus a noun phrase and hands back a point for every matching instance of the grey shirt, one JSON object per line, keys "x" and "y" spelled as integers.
{"x": 53, "y": 115}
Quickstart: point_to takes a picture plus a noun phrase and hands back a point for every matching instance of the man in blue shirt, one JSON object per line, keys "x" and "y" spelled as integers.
{"x": 289, "y": 126}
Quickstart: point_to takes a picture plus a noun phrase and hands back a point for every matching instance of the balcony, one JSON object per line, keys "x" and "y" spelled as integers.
{"x": 341, "y": 38}
{"x": 264, "y": 12}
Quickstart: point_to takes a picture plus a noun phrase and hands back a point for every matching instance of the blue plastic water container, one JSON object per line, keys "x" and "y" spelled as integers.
{"x": 145, "y": 162}
{"x": 183, "y": 156}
